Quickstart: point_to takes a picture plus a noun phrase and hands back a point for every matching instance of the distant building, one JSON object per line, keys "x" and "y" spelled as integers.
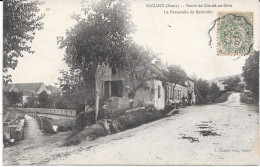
{"x": 31, "y": 89}
{"x": 219, "y": 84}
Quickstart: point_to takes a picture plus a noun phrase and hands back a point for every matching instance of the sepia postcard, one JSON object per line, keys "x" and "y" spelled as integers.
{"x": 130, "y": 82}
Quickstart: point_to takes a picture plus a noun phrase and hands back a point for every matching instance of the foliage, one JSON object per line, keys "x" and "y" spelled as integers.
{"x": 248, "y": 97}
{"x": 223, "y": 96}
{"x": 76, "y": 91}
{"x": 31, "y": 102}
{"x": 45, "y": 124}
{"x": 138, "y": 66}
{"x": 232, "y": 83}
{"x": 118, "y": 123}
{"x": 85, "y": 119}
{"x": 44, "y": 100}
{"x": 203, "y": 88}
{"x": 176, "y": 74}
{"x": 251, "y": 74}
{"x": 240, "y": 87}
{"x": 20, "y": 21}
{"x": 213, "y": 92}
{"x": 14, "y": 98}
{"x": 102, "y": 37}
{"x": 58, "y": 101}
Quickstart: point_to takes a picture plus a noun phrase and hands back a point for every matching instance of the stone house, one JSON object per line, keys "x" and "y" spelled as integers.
{"x": 118, "y": 88}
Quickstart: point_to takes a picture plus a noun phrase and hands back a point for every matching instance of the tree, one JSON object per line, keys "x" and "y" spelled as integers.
{"x": 138, "y": 66}
{"x": 251, "y": 74}
{"x": 44, "y": 100}
{"x": 14, "y": 98}
{"x": 58, "y": 101}
{"x": 231, "y": 83}
{"x": 100, "y": 38}
{"x": 20, "y": 21}
{"x": 176, "y": 74}
{"x": 213, "y": 92}
{"x": 203, "y": 88}
{"x": 31, "y": 102}
{"x": 76, "y": 91}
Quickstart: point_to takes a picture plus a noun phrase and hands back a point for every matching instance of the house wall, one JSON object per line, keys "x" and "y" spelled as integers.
{"x": 24, "y": 99}
{"x": 175, "y": 93}
{"x": 220, "y": 85}
{"x": 143, "y": 97}
{"x": 159, "y": 95}
{"x": 42, "y": 88}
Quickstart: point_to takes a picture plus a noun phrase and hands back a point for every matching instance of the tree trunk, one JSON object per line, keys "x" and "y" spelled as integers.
{"x": 96, "y": 96}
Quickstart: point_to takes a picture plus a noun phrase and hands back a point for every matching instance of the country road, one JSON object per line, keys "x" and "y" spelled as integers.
{"x": 219, "y": 134}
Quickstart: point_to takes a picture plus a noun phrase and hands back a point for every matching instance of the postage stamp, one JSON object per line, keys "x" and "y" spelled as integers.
{"x": 235, "y": 33}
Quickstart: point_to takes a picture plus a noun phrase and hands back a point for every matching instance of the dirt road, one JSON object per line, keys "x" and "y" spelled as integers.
{"x": 225, "y": 133}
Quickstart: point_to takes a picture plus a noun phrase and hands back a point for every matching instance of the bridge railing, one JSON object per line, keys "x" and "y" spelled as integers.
{"x": 49, "y": 111}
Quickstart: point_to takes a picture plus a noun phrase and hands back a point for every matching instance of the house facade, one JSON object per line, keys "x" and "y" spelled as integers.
{"x": 118, "y": 88}
{"x": 175, "y": 93}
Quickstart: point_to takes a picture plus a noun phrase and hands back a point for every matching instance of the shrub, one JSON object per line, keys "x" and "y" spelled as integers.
{"x": 45, "y": 125}
{"x": 120, "y": 122}
{"x": 136, "y": 118}
{"x": 223, "y": 98}
{"x": 85, "y": 119}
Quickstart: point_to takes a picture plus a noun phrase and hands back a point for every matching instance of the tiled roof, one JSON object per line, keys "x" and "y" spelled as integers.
{"x": 53, "y": 89}
{"x": 28, "y": 89}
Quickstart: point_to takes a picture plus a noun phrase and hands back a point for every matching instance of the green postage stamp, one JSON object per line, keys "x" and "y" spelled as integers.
{"x": 235, "y": 33}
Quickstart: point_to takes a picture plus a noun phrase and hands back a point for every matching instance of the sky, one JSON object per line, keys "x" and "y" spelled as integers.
{"x": 179, "y": 39}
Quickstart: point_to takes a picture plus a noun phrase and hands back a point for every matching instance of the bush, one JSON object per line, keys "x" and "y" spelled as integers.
{"x": 45, "y": 125}
{"x": 136, "y": 118}
{"x": 90, "y": 132}
{"x": 248, "y": 97}
{"x": 243, "y": 98}
{"x": 223, "y": 98}
{"x": 120, "y": 122}
{"x": 85, "y": 119}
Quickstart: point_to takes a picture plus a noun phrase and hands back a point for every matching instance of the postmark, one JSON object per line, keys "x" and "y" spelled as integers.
{"x": 235, "y": 33}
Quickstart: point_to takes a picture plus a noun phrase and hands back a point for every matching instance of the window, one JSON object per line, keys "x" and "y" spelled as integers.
{"x": 159, "y": 91}
{"x": 117, "y": 88}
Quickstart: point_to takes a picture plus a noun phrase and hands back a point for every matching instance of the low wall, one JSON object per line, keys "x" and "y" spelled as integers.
{"x": 64, "y": 112}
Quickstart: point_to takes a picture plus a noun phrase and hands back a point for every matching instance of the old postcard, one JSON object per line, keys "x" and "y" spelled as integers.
{"x": 130, "y": 82}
